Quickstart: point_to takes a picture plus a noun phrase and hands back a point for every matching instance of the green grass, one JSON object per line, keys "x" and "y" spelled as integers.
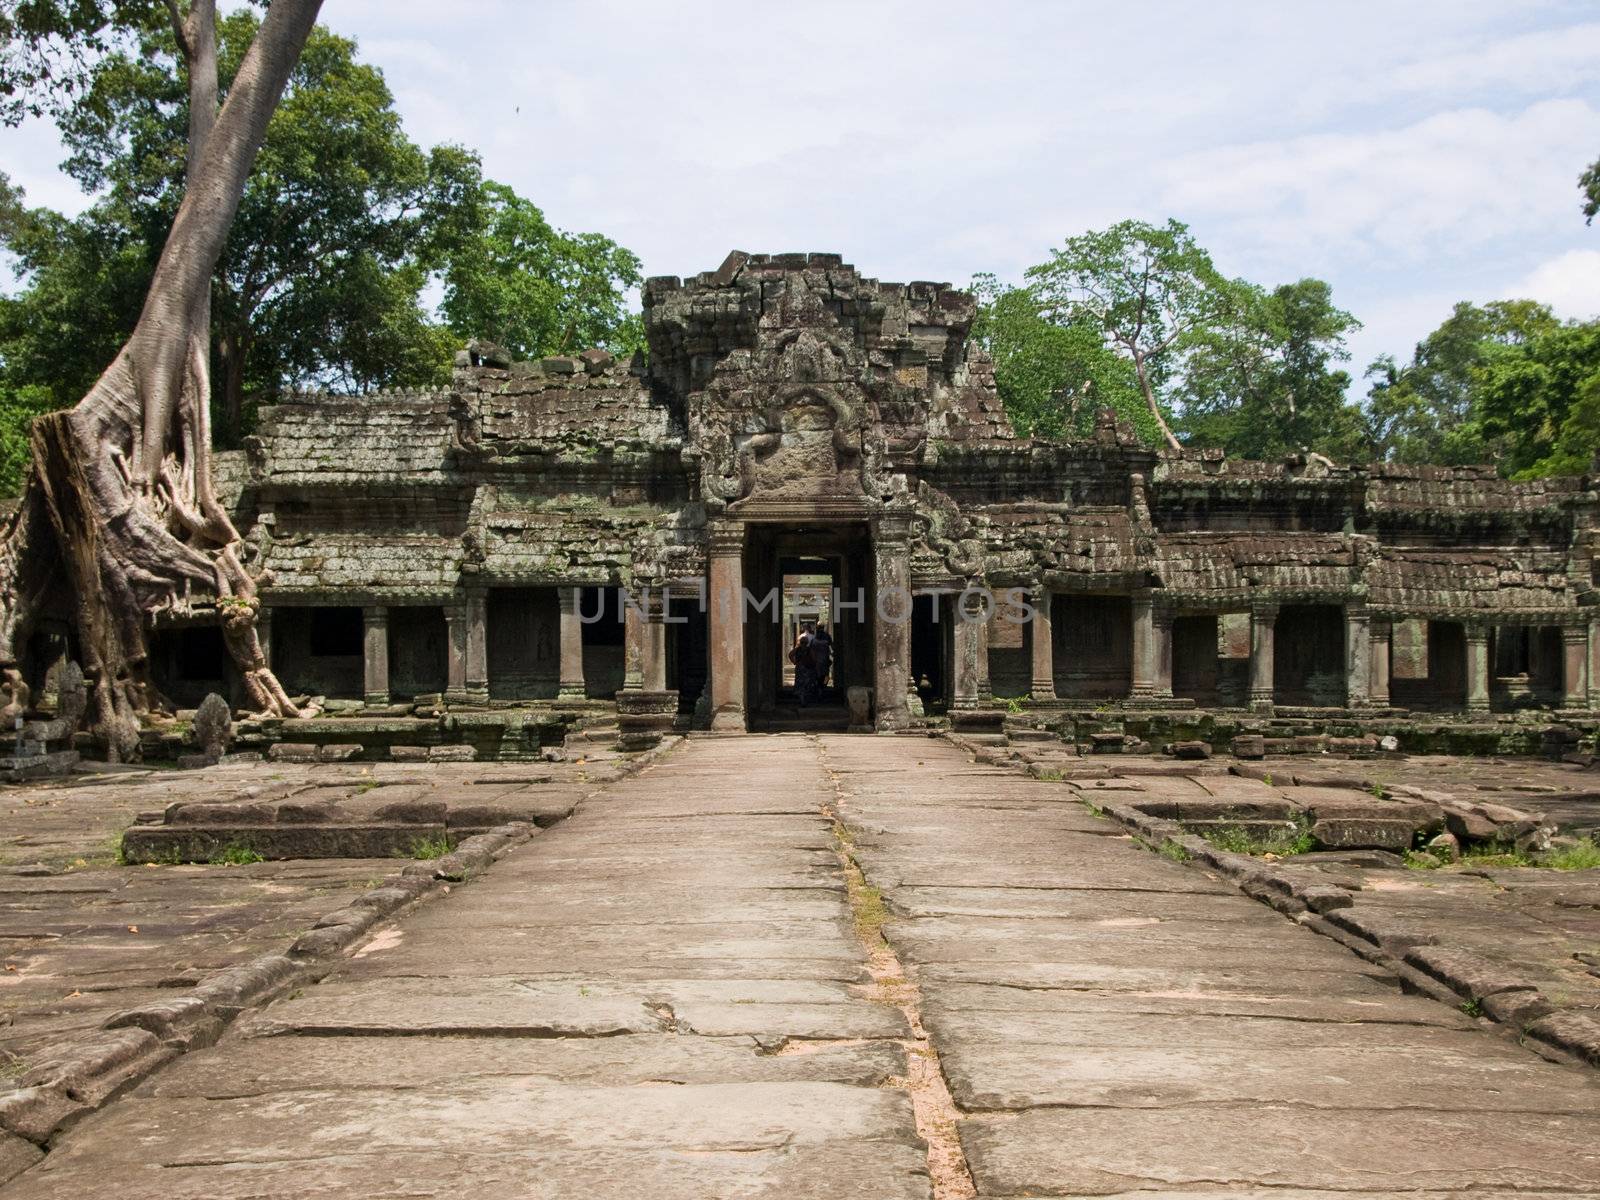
{"x": 1583, "y": 856}
{"x": 1423, "y": 861}
{"x": 1173, "y": 851}
{"x": 235, "y": 855}
{"x": 1291, "y": 841}
{"x": 427, "y": 847}
{"x": 1471, "y": 1007}
{"x": 1496, "y": 854}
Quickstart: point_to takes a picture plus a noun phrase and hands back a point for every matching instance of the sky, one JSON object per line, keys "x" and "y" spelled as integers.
{"x": 1413, "y": 153}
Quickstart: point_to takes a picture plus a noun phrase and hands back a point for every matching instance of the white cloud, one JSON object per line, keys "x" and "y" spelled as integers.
{"x": 1568, "y": 283}
{"x": 1457, "y": 178}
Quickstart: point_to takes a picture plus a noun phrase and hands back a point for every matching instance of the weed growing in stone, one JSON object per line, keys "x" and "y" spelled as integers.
{"x": 1472, "y": 1008}
{"x": 1582, "y": 856}
{"x": 1496, "y": 854}
{"x": 1173, "y": 851}
{"x": 1294, "y": 839}
{"x": 1421, "y": 860}
{"x": 235, "y": 855}
{"x": 426, "y": 848}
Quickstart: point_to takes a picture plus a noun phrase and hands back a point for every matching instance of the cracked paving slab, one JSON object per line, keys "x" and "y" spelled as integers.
{"x": 674, "y": 994}
{"x": 1112, "y": 1023}
{"x": 663, "y": 996}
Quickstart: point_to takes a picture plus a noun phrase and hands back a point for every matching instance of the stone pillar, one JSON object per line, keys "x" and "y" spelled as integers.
{"x": 1144, "y": 647}
{"x": 477, "y": 645}
{"x": 966, "y": 643}
{"x": 571, "y": 685}
{"x": 1477, "y": 667}
{"x": 1163, "y": 655}
{"x": 1357, "y": 656}
{"x": 455, "y": 625}
{"x": 633, "y": 640}
{"x": 1574, "y": 666}
{"x": 1044, "y": 656}
{"x": 1263, "y": 624}
{"x": 985, "y": 689}
{"x": 653, "y": 647}
{"x": 1594, "y": 662}
{"x": 725, "y": 624}
{"x": 891, "y": 655}
{"x": 1379, "y": 634}
{"x": 375, "y": 655}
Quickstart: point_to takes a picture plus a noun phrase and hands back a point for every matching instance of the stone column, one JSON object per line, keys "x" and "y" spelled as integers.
{"x": 571, "y": 685}
{"x": 633, "y": 640}
{"x": 1144, "y": 647}
{"x": 965, "y": 640}
{"x": 477, "y": 639}
{"x": 653, "y": 647}
{"x": 1263, "y": 624}
{"x": 1380, "y": 633}
{"x": 985, "y": 688}
{"x": 1044, "y": 655}
{"x": 1594, "y": 662}
{"x": 1357, "y": 656}
{"x": 891, "y": 654}
{"x": 1477, "y": 667}
{"x": 375, "y": 654}
{"x": 1162, "y": 627}
{"x": 455, "y": 625}
{"x": 725, "y": 624}
{"x": 1574, "y": 666}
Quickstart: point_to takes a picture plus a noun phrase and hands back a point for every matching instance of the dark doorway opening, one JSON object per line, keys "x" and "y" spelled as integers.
{"x": 800, "y": 579}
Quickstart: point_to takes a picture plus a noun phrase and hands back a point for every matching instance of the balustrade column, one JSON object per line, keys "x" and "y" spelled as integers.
{"x": 1263, "y": 627}
{"x": 571, "y": 686}
{"x": 725, "y": 624}
{"x": 1040, "y": 638}
{"x": 1357, "y": 656}
{"x": 375, "y": 655}
{"x": 1143, "y": 684}
{"x": 1477, "y": 667}
{"x": 1381, "y": 636}
{"x": 1574, "y": 666}
{"x": 891, "y": 657}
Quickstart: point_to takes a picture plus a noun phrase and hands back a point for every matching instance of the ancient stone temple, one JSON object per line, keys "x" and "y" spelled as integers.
{"x": 580, "y": 529}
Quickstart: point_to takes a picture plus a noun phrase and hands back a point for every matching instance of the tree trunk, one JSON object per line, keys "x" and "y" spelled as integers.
{"x": 124, "y": 478}
{"x": 1150, "y": 400}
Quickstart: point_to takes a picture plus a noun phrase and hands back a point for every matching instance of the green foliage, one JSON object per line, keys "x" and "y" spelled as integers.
{"x": 1137, "y": 318}
{"x": 1053, "y": 377}
{"x": 1428, "y": 410}
{"x": 430, "y": 848}
{"x": 1582, "y": 855}
{"x": 1260, "y": 381}
{"x": 18, "y": 407}
{"x": 344, "y": 227}
{"x": 1173, "y": 852}
{"x": 1589, "y": 183}
{"x": 1538, "y": 402}
{"x": 48, "y": 49}
{"x": 536, "y": 290}
{"x": 235, "y": 855}
{"x": 1144, "y": 287}
{"x": 1293, "y": 839}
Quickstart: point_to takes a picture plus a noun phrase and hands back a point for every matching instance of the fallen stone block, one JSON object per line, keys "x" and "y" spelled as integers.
{"x": 452, "y": 754}
{"x": 184, "y": 1021}
{"x": 229, "y": 991}
{"x": 1576, "y": 1033}
{"x": 36, "y": 1113}
{"x": 1189, "y": 750}
{"x": 339, "y": 752}
{"x": 327, "y": 942}
{"x": 1248, "y": 745}
{"x": 16, "y": 1155}
{"x": 409, "y": 753}
{"x": 1380, "y": 930}
{"x": 1465, "y": 973}
{"x": 94, "y": 1066}
{"x": 292, "y": 752}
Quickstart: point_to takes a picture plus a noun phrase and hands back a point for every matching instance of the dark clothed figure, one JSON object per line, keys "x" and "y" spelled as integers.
{"x": 806, "y": 686}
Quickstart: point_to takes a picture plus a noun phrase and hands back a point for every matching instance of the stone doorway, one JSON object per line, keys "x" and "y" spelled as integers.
{"x": 798, "y": 576}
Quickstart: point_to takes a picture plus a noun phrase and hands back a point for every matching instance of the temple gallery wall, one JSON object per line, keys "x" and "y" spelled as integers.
{"x": 566, "y": 532}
